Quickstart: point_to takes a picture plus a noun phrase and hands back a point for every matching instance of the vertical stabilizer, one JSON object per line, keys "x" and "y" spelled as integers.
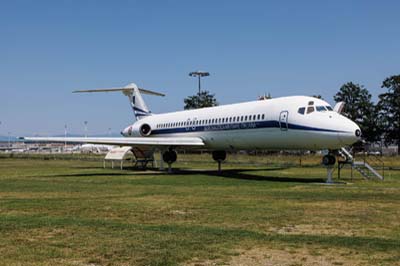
{"x": 138, "y": 105}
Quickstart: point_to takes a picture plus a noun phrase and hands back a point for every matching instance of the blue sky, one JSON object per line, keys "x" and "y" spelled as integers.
{"x": 49, "y": 48}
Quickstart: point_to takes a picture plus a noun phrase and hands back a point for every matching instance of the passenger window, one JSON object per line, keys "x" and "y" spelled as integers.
{"x": 262, "y": 117}
{"x": 258, "y": 117}
{"x": 301, "y": 110}
{"x": 254, "y": 117}
{"x": 310, "y": 109}
{"x": 321, "y": 108}
{"x": 245, "y": 118}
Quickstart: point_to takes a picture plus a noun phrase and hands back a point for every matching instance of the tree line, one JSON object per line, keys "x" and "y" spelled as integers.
{"x": 377, "y": 121}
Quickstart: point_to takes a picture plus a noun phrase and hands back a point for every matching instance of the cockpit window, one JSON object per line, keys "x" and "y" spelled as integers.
{"x": 321, "y": 108}
{"x": 329, "y": 108}
{"x": 301, "y": 110}
{"x": 310, "y": 109}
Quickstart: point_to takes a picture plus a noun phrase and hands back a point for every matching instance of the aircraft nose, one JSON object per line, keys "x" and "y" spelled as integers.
{"x": 358, "y": 132}
{"x": 350, "y": 132}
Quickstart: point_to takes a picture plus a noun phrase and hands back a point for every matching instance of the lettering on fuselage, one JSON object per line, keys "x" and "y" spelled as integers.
{"x": 230, "y": 126}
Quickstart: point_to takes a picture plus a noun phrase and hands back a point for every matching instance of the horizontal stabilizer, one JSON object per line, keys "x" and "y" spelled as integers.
{"x": 126, "y": 89}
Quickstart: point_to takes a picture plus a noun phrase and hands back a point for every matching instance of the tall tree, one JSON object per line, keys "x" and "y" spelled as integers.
{"x": 359, "y": 108}
{"x": 201, "y": 100}
{"x": 389, "y": 104}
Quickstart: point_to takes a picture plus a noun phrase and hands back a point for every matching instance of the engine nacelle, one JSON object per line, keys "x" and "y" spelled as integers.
{"x": 137, "y": 130}
{"x": 145, "y": 130}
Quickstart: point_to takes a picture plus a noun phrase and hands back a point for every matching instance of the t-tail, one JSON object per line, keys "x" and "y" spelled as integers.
{"x": 134, "y": 93}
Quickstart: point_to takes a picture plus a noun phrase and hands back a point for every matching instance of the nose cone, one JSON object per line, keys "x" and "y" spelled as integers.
{"x": 350, "y": 132}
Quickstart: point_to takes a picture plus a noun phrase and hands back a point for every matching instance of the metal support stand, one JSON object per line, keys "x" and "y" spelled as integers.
{"x": 169, "y": 168}
{"x": 329, "y": 172}
{"x": 219, "y": 167}
{"x": 161, "y": 162}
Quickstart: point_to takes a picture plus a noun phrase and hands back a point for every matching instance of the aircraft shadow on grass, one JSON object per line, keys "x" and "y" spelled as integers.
{"x": 246, "y": 174}
{"x": 228, "y": 173}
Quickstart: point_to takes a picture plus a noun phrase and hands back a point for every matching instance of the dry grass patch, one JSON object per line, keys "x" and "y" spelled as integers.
{"x": 305, "y": 256}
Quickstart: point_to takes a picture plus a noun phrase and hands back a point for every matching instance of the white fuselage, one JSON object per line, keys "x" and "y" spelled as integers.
{"x": 265, "y": 124}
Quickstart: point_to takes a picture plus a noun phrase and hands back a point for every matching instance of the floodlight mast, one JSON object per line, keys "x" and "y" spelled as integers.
{"x": 85, "y": 123}
{"x": 199, "y": 74}
{"x": 65, "y": 135}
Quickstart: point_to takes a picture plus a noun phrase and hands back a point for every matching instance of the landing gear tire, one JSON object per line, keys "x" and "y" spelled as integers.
{"x": 169, "y": 157}
{"x": 219, "y": 156}
{"x": 328, "y": 160}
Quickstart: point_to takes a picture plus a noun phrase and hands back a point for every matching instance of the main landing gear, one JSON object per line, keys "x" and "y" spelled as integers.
{"x": 169, "y": 157}
{"x": 329, "y": 161}
{"x": 219, "y": 156}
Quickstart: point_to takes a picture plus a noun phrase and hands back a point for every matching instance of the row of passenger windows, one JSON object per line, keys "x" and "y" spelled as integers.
{"x": 213, "y": 121}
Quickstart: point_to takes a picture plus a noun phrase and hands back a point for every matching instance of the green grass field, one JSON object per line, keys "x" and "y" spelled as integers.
{"x": 260, "y": 211}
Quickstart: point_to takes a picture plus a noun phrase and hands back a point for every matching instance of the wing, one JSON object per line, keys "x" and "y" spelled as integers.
{"x": 155, "y": 142}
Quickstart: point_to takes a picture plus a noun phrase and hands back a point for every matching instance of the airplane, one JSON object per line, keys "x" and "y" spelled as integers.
{"x": 92, "y": 148}
{"x": 284, "y": 123}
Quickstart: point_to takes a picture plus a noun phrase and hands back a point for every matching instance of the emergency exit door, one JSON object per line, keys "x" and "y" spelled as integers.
{"x": 283, "y": 120}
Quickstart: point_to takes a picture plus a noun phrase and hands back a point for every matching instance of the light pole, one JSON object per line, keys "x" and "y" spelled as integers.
{"x": 9, "y": 139}
{"x": 199, "y": 75}
{"x": 109, "y": 131}
{"x": 65, "y": 136}
{"x": 86, "y": 122}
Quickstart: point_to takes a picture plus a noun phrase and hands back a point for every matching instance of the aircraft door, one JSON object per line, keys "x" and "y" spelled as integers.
{"x": 283, "y": 120}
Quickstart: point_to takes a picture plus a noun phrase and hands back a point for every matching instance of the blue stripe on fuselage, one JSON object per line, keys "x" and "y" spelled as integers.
{"x": 238, "y": 126}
